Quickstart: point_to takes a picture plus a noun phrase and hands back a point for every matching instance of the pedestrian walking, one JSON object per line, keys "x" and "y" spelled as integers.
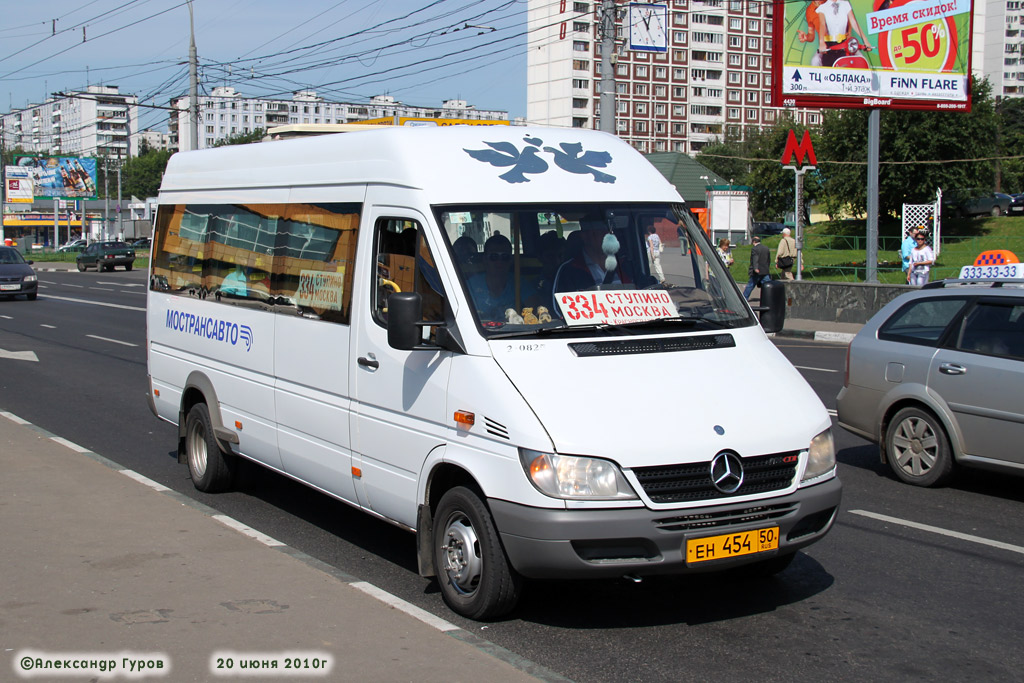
{"x": 758, "y": 270}
{"x": 785, "y": 255}
{"x": 724, "y": 252}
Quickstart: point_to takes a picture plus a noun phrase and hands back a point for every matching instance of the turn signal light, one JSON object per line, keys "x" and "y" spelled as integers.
{"x": 238, "y": 425}
{"x": 356, "y": 472}
{"x": 464, "y": 417}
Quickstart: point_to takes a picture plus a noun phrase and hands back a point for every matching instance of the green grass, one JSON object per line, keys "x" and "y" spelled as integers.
{"x": 835, "y": 251}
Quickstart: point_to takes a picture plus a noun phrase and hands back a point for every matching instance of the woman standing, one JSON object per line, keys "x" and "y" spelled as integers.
{"x": 724, "y": 252}
{"x": 921, "y": 259}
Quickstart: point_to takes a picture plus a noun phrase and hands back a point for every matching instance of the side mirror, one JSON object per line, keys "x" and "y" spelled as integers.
{"x": 405, "y": 310}
{"x": 773, "y": 306}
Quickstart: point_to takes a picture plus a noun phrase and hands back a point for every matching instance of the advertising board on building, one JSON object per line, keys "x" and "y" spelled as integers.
{"x": 61, "y": 177}
{"x": 895, "y": 54}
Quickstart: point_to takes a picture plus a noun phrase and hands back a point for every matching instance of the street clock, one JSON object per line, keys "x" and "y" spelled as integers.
{"x": 648, "y": 27}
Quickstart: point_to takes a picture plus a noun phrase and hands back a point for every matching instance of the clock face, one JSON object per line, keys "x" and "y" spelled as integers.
{"x": 647, "y": 30}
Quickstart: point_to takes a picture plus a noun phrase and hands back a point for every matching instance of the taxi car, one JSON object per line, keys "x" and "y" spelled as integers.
{"x": 936, "y": 378}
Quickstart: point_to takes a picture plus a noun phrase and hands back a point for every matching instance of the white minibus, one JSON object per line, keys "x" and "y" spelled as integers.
{"x": 471, "y": 333}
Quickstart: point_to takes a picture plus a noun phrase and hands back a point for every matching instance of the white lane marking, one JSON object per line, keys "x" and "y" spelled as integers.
{"x": 804, "y": 367}
{"x": 401, "y": 605}
{"x": 14, "y": 418}
{"x": 19, "y": 355}
{"x": 112, "y": 341}
{"x": 132, "y": 474}
{"x": 70, "y": 444}
{"x": 78, "y": 286}
{"x": 832, "y": 412}
{"x": 940, "y": 531}
{"x": 6, "y": 316}
{"x": 247, "y": 530}
{"x": 136, "y": 293}
{"x": 51, "y": 327}
{"x": 95, "y": 303}
{"x": 102, "y": 289}
{"x": 120, "y": 284}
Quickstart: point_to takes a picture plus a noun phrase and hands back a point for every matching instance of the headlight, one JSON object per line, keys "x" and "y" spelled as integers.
{"x": 29, "y": 278}
{"x": 821, "y": 456}
{"x": 573, "y": 477}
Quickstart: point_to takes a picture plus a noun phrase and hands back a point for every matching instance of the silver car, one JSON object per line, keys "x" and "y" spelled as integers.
{"x": 936, "y": 378}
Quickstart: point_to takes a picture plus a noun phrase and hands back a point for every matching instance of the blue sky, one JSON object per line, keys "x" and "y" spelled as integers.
{"x": 419, "y": 52}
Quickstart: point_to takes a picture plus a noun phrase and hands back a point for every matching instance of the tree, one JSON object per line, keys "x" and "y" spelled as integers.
{"x": 141, "y": 176}
{"x": 906, "y": 137}
{"x": 242, "y": 138}
{"x": 1011, "y": 143}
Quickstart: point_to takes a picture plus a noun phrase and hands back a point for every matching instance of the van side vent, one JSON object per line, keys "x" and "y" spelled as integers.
{"x": 495, "y": 428}
{"x": 622, "y": 347}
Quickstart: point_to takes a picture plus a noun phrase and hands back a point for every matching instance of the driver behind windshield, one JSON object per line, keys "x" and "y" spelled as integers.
{"x": 592, "y": 262}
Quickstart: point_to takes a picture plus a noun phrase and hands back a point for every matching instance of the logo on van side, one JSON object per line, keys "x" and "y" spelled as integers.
{"x": 210, "y": 328}
{"x": 570, "y": 158}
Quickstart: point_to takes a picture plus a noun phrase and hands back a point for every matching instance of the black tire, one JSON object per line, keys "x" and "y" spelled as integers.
{"x": 210, "y": 468}
{"x": 127, "y": 266}
{"x": 917, "y": 448}
{"x": 764, "y": 568}
{"x": 32, "y": 296}
{"x": 474, "y": 574}
{"x": 81, "y": 267}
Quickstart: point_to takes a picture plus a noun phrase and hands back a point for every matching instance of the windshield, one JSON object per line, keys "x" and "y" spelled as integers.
{"x": 545, "y": 268}
{"x": 10, "y": 257}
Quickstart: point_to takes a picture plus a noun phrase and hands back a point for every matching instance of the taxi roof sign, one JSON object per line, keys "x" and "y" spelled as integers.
{"x": 996, "y": 257}
{"x": 995, "y": 264}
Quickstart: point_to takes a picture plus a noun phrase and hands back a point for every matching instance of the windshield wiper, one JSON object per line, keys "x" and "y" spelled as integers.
{"x": 629, "y": 328}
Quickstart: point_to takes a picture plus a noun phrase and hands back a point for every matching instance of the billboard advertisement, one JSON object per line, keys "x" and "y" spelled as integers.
{"x": 61, "y": 177}
{"x": 19, "y": 185}
{"x": 894, "y": 54}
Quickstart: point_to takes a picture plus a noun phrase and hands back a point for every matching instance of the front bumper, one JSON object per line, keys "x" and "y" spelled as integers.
{"x": 543, "y": 543}
{"x": 24, "y": 288}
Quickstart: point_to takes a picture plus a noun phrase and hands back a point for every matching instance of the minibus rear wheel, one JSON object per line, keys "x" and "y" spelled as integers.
{"x": 474, "y": 574}
{"x": 210, "y": 468}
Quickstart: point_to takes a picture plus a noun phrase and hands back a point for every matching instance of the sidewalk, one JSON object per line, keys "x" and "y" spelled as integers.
{"x": 97, "y": 564}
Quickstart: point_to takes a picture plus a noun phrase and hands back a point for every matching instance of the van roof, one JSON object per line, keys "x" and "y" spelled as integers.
{"x": 452, "y": 164}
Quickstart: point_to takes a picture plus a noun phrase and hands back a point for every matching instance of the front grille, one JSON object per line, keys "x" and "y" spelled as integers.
{"x": 660, "y": 345}
{"x": 727, "y": 518}
{"x": 9, "y": 279}
{"x": 687, "y": 483}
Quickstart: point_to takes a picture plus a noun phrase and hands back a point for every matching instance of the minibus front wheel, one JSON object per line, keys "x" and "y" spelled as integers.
{"x": 474, "y": 574}
{"x": 209, "y": 467}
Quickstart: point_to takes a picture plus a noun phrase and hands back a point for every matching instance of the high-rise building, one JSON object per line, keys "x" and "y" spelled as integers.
{"x": 225, "y": 113}
{"x": 99, "y": 121}
{"x": 999, "y": 45}
{"x": 714, "y": 79}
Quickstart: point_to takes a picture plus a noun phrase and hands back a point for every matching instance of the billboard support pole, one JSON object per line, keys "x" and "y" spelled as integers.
{"x": 874, "y": 119}
{"x": 56, "y": 223}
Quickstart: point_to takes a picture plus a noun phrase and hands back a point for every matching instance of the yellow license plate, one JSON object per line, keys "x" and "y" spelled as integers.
{"x": 732, "y": 545}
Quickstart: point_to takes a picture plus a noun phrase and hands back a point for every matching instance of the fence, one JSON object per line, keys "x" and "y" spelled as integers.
{"x": 843, "y": 257}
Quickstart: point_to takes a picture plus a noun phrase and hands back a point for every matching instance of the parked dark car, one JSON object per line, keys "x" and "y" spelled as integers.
{"x": 965, "y": 203}
{"x": 16, "y": 275}
{"x": 141, "y": 243}
{"x": 768, "y": 228}
{"x": 105, "y": 256}
{"x": 1017, "y": 205}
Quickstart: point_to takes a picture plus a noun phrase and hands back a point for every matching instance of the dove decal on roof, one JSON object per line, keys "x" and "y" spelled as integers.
{"x": 527, "y": 161}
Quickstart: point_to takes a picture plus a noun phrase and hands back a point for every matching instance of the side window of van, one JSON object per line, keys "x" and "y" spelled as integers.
{"x": 404, "y": 263}
{"x": 294, "y": 259}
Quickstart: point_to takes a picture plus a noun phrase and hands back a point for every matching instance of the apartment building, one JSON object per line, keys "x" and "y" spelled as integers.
{"x": 98, "y": 121}
{"x": 999, "y": 45}
{"x": 714, "y": 79}
{"x": 225, "y": 113}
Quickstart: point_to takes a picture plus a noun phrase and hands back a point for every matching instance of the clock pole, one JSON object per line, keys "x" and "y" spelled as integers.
{"x": 608, "y": 66}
